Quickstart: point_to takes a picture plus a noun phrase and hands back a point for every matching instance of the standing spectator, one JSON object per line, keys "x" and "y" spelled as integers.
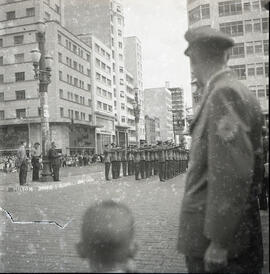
{"x": 54, "y": 158}
{"x": 220, "y": 227}
{"x": 35, "y": 153}
{"x": 22, "y": 163}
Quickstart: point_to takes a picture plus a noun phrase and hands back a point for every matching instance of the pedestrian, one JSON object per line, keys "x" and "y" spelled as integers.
{"x": 108, "y": 238}
{"x": 54, "y": 159}
{"x": 22, "y": 163}
{"x": 107, "y": 161}
{"x": 35, "y": 160}
{"x": 220, "y": 229}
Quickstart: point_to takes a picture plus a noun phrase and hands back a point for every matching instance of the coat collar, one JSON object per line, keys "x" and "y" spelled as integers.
{"x": 206, "y": 92}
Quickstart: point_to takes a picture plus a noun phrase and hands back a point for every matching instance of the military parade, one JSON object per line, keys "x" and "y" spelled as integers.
{"x": 164, "y": 159}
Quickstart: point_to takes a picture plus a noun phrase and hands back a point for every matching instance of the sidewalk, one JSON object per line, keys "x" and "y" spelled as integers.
{"x": 9, "y": 182}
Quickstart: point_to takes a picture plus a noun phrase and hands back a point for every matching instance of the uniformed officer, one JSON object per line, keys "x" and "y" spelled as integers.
{"x": 142, "y": 163}
{"x": 124, "y": 161}
{"x": 220, "y": 229}
{"x": 22, "y": 163}
{"x": 35, "y": 160}
{"x": 137, "y": 160}
{"x": 152, "y": 157}
{"x": 107, "y": 161}
{"x": 54, "y": 159}
{"x": 118, "y": 161}
{"x": 130, "y": 159}
{"x": 161, "y": 162}
{"x": 147, "y": 162}
{"x": 156, "y": 160}
{"x": 113, "y": 155}
{"x": 170, "y": 156}
{"x": 167, "y": 163}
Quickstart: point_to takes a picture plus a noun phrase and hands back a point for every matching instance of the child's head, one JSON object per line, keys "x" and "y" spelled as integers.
{"x": 107, "y": 235}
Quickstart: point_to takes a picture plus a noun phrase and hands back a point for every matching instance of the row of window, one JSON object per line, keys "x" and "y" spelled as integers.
{"x": 236, "y": 28}
{"x": 19, "y": 76}
{"x": 119, "y": 32}
{"x": 18, "y": 58}
{"x": 17, "y": 39}
{"x": 74, "y": 97}
{"x": 11, "y": 15}
{"x": 260, "y": 91}
{"x": 20, "y": 113}
{"x": 74, "y": 81}
{"x": 103, "y": 106}
{"x": 103, "y": 79}
{"x": 104, "y": 93}
{"x": 74, "y": 114}
{"x": 240, "y": 50}
{"x": 20, "y": 95}
{"x": 234, "y": 7}
{"x": 251, "y": 70}
{"x": 199, "y": 13}
{"x": 57, "y": 8}
{"x": 120, "y": 44}
{"x": 102, "y": 52}
{"x": 74, "y": 48}
{"x": 103, "y": 66}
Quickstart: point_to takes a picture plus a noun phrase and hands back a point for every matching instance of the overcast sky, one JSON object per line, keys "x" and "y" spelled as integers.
{"x": 160, "y": 25}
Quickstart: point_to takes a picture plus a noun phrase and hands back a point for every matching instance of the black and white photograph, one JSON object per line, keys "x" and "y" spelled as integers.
{"x": 134, "y": 136}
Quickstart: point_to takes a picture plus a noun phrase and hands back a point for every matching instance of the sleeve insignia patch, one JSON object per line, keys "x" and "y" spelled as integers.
{"x": 227, "y": 129}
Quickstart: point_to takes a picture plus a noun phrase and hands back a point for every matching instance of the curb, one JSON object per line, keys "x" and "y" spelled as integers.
{"x": 45, "y": 187}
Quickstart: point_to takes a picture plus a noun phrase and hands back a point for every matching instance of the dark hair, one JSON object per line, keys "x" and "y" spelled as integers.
{"x": 108, "y": 228}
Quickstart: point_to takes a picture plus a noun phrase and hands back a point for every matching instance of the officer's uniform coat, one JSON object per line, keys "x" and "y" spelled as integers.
{"x": 220, "y": 202}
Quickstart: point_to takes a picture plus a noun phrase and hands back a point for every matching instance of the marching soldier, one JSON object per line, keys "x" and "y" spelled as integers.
{"x": 170, "y": 156}
{"x": 107, "y": 161}
{"x": 142, "y": 163}
{"x": 54, "y": 158}
{"x": 152, "y": 157}
{"x": 156, "y": 168}
{"x": 124, "y": 161}
{"x": 118, "y": 162}
{"x": 147, "y": 162}
{"x": 130, "y": 159}
{"x": 166, "y": 162}
{"x": 137, "y": 160}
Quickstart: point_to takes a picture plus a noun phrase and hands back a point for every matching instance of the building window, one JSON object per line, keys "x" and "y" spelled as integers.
{"x": 240, "y": 71}
{"x": 19, "y": 76}
{"x": 261, "y": 92}
{"x": 76, "y": 115}
{"x": 230, "y": 8}
{"x": 18, "y": 39}
{"x": 99, "y": 105}
{"x": 61, "y": 93}
{"x": 105, "y": 107}
{"x": 20, "y": 94}
{"x": 238, "y": 51}
{"x": 247, "y": 7}
{"x": 75, "y": 82}
{"x": 265, "y": 24}
{"x": 122, "y": 106}
{"x": 59, "y": 37}
{"x": 88, "y": 87}
{"x": 251, "y": 70}
{"x": 82, "y": 116}
{"x": 266, "y": 47}
{"x": 74, "y": 49}
{"x": 194, "y": 15}
{"x": 10, "y": 15}
{"x": 123, "y": 119}
{"x": 259, "y": 69}
{"x": 57, "y": 9}
{"x": 248, "y": 26}
{"x": 2, "y": 115}
{"x": 60, "y": 57}
{"x": 61, "y": 112}
{"x": 21, "y": 113}
{"x": 120, "y": 45}
{"x": 257, "y": 25}
{"x": 1, "y": 78}
{"x": 60, "y": 75}
{"x": 75, "y": 65}
{"x": 90, "y": 118}
{"x": 2, "y": 97}
{"x": 232, "y": 28}
{"x": 258, "y": 46}
{"x": 30, "y": 12}
{"x": 256, "y": 5}
{"x": 47, "y": 16}
{"x": 249, "y": 48}
{"x": 1, "y": 60}
{"x": 1, "y": 43}
{"x": 266, "y": 69}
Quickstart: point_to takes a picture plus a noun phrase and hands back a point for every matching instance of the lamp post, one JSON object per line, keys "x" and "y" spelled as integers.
{"x": 137, "y": 111}
{"x": 42, "y": 67}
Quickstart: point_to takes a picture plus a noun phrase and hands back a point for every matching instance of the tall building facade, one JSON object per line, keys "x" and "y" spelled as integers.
{"x": 105, "y": 20}
{"x": 178, "y": 112}
{"x": 81, "y": 101}
{"x": 133, "y": 63}
{"x": 158, "y": 103}
{"x": 247, "y": 22}
{"x": 152, "y": 130}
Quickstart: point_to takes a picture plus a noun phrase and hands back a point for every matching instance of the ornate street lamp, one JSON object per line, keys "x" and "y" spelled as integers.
{"x": 137, "y": 111}
{"x": 42, "y": 68}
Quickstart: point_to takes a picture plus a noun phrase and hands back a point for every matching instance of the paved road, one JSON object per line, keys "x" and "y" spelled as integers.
{"x": 48, "y": 248}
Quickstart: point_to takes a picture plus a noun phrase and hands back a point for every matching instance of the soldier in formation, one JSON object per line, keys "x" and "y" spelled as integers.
{"x": 164, "y": 159}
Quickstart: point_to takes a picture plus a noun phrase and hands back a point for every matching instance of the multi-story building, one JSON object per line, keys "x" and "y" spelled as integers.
{"x": 104, "y": 19}
{"x": 80, "y": 93}
{"x": 133, "y": 63}
{"x": 152, "y": 130}
{"x": 178, "y": 112}
{"x": 158, "y": 103}
{"x": 247, "y": 21}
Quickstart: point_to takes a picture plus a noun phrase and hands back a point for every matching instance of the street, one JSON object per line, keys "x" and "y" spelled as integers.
{"x": 50, "y": 248}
